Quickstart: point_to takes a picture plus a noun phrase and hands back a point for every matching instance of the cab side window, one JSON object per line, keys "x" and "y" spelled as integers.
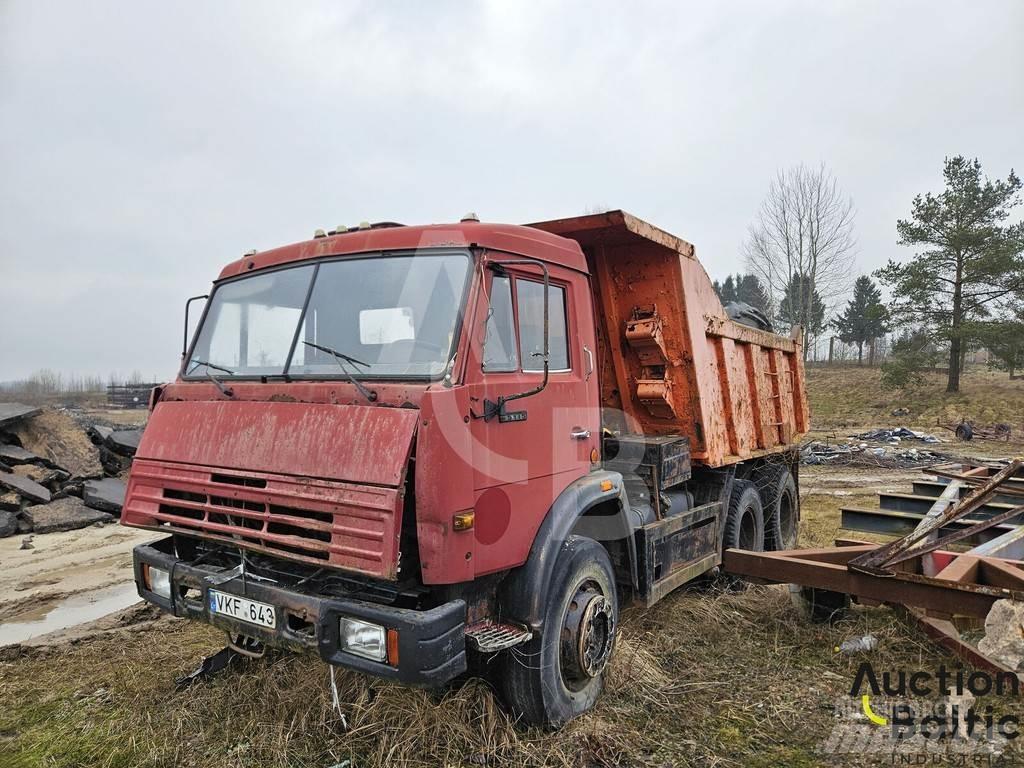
{"x": 530, "y": 305}
{"x": 500, "y": 352}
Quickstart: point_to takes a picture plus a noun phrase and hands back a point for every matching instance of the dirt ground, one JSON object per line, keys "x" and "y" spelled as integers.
{"x": 709, "y": 677}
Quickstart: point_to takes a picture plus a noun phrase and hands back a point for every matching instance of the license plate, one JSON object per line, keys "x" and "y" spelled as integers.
{"x": 242, "y": 609}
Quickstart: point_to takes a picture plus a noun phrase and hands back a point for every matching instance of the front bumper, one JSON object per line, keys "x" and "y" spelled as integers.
{"x": 431, "y": 643}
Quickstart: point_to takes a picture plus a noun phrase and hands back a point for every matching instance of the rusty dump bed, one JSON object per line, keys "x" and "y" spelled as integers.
{"x": 670, "y": 359}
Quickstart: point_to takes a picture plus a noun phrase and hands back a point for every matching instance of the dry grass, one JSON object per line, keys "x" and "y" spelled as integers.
{"x": 705, "y": 678}
{"x": 724, "y": 679}
{"x": 851, "y": 396}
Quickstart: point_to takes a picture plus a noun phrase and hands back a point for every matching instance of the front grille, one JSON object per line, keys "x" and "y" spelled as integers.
{"x": 319, "y": 522}
{"x": 247, "y": 519}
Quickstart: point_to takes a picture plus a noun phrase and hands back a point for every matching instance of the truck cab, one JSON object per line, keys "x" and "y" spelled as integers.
{"x": 415, "y": 449}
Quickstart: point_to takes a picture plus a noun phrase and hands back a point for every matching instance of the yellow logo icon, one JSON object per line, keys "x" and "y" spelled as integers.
{"x": 865, "y": 702}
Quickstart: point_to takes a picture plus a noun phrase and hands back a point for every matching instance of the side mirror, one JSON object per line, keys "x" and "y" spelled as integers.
{"x": 184, "y": 339}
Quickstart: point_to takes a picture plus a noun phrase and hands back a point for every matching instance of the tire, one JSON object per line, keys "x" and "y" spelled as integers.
{"x": 744, "y": 521}
{"x": 781, "y": 503}
{"x": 963, "y": 431}
{"x": 544, "y": 683}
{"x": 819, "y": 605}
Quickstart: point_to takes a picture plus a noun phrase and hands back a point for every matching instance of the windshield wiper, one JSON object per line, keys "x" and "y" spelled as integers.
{"x": 224, "y": 390}
{"x": 342, "y": 358}
{"x": 196, "y": 363}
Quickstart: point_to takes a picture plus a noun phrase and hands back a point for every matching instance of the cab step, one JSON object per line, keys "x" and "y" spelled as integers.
{"x": 489, "y": 636}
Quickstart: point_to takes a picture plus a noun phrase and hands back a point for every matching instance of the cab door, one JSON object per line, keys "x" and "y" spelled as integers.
{"x": 525, "y": 456}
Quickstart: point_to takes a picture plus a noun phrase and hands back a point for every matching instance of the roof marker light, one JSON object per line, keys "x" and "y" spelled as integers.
{"x": 471, "y": 216}
{"x": 319, "y": 233}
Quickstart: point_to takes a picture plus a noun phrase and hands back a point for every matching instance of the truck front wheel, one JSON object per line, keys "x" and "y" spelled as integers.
{"x": 560, "y": 674}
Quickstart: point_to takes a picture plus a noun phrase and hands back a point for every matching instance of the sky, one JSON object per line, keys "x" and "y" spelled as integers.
{"x": 143, "y": 145}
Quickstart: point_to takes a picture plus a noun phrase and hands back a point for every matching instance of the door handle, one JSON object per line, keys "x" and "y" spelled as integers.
{"x": 579, "y": 433}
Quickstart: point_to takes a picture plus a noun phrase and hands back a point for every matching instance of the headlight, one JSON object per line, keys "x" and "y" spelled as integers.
{"x": 159, "y": 582}
{"x": 363, "y": 639}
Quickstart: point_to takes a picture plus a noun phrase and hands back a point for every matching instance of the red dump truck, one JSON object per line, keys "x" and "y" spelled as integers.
{"x": 414, "y": 450}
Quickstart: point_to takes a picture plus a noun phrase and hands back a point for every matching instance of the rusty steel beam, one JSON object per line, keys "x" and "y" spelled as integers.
{"x": 895, "y": 587}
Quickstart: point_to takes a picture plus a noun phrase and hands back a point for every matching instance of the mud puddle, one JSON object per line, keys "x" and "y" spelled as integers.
{"x": 50, "y": 615}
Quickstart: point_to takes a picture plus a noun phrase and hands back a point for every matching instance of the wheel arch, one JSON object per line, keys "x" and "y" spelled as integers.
{"x": 587, "y": 507}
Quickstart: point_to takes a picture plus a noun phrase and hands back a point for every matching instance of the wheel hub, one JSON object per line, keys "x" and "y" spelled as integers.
{"x": 587, "y": 637}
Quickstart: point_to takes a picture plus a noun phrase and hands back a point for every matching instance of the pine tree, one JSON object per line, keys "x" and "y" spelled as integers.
{"x": 971, "y": 258}
{"x": 728, "y": 292}
{"x": 802, "y": 303}
{"x": 864, "y": 318}
{"x": 750, "y": 290}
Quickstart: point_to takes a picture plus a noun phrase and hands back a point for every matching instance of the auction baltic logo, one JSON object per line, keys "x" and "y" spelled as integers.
{"x": 905, "y": 720}
{"x": 924, "y": 718}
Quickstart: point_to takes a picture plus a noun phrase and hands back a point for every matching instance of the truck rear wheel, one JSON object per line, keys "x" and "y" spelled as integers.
{"x": 781, "y": 507}
{"x": 559, "y": 675}
{"x": 744, "y": 522}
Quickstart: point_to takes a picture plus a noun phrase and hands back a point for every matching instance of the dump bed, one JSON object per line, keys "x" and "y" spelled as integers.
{"x": 670, "y": 360}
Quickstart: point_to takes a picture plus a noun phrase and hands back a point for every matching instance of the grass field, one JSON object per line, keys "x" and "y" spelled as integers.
{"x": 850, "y": 396}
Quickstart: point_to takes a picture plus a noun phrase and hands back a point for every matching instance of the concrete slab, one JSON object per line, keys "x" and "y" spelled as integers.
{"x": 8, "y": 524}
{"x": 124, "y": 441}
{"x": 23, "y": 486}
{"x": 106, "y": 494}
{"x": 12, "y": 412}
{"x": 14, "y": 454}
{"x": 64, "y": 514}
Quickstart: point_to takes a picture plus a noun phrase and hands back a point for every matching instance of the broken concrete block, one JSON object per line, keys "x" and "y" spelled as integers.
{"x": 124, "y": 441}
{"x": 98, "y": 433}
{"x": 1004, "y": 634}
{"x": 13, "y": 454}
{"x": 106, "y": 494}
{"x": 57, "y": 437}
{"x": 113, "y": 464}
{"x": 64, "y": 514}
{"x": 25, "y": 487}
{"x": 41, "y": 475}
{"x": 12, "y": 412}
{"x": 10, "y": 501}
{"x": 8, "y": 524}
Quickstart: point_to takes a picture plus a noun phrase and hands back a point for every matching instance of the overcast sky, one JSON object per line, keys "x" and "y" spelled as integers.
{"x": 144, "y": 145}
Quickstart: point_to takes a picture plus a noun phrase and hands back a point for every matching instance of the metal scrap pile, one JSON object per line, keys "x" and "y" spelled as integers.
{"x": 56, "y": 475}
{"x": 856, "y": 449}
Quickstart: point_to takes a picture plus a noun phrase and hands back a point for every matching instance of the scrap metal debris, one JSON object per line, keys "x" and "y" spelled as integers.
{"x": 896, "y": 435}
{"x": 239, "y": 648}
{"x": 209, "y": 666}
{"x": 852, "y": 453}
{"x": 58, "y": 472}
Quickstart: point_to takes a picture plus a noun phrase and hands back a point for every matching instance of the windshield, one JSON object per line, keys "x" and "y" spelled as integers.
{"x": 391, "y": 316}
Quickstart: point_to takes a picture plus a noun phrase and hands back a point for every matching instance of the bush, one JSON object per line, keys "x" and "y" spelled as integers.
{"x": 912, "y": 355}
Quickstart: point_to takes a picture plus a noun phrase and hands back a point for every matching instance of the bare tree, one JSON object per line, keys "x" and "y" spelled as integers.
{"x": 803, "y": 236}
